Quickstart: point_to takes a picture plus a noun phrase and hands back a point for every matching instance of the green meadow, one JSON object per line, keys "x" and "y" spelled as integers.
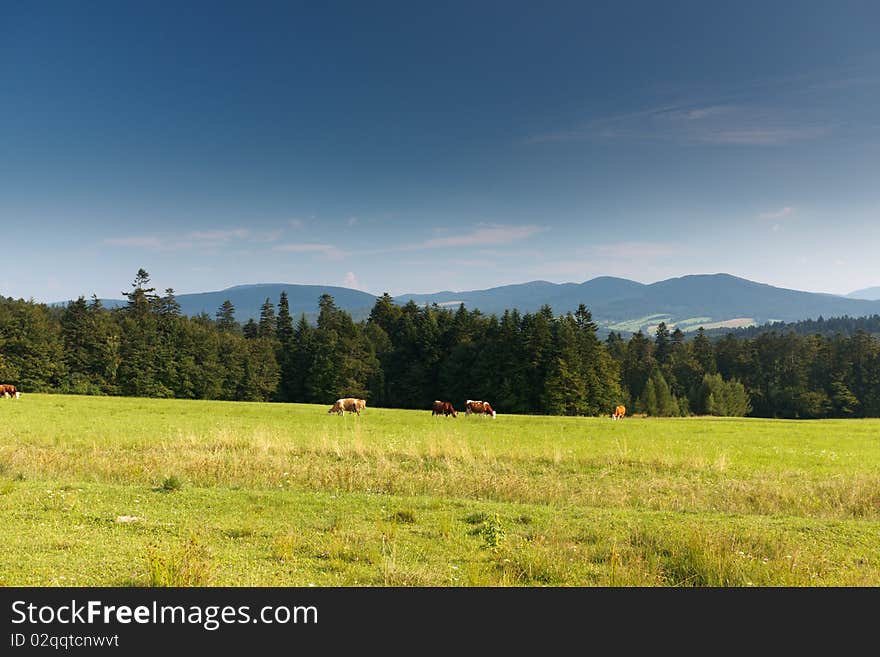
{"x": 101, "y": 491}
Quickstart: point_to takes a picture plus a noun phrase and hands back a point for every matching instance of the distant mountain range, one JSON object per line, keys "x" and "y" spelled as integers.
{"x": 248, "y": 299}
{"x": 872, "y": 293}
{"x": 708, "y": 300}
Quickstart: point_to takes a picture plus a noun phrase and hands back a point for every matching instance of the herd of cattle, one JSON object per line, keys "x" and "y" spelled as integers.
{"x": 444, "y": 408}
{"x": 471, "y": 406}
{"x": 355, "y": 405}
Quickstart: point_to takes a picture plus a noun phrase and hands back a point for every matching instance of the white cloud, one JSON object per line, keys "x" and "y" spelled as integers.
{"x": 141, "y": 242}
{"x": 352, "y": 221}
{"x": 351, "y": 281}
{"x": 484, "y": 235}
{"x": 703, "y": 112}
{"x": 642, "y": 250}
{"x": 746, "y": 124}
{"x": 267, "y": 235}
{"x": 296, "y": 223}
{"x": 326, "y": 249}
{"x": 197, "y": 239}
{"x": 777, "y": 214}
{"x": 219, "y": 235}
{"x": 758, "y": 136}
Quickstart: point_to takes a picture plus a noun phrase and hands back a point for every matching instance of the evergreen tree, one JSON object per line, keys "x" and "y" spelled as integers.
{"x": 296, "y": 370}
{"x": 720, "y": 397}
{"x": 261, "y": 371}
{"x": 638, "y": 364}
{"x": 703, "y": 352}
{"x": 250, "y": 330}
{"x": 226, "y": 317}
{"x": 168, "y": 305}
{"x": 268, "y": 321}
{"x": 662, "y": 344}
{"x": 284, "y": 351}
{"x": 142, "y": 300}
{"x": 284, "y": 322}
{"x": 565, "y": 392}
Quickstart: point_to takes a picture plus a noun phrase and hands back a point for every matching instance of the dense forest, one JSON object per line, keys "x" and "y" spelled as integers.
{"x": 821, "y": 326}
{"x": 407, "y": 356}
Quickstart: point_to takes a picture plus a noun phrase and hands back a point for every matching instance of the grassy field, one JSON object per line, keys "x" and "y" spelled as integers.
{"x": 109, "y": 491}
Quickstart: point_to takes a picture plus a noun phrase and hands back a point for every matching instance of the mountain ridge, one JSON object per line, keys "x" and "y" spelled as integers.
{"x": 868, "y": 293}
{"x": 621, "y": 304}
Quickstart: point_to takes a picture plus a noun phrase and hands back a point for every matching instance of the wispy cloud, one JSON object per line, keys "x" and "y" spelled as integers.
{"x": 196, "y": 239}
{"x": 478, "y": 235}
{"x": 296, "y": 223}
{"x": 484, "y": 235}
{"x": 352, "y": 221}
{"x": 325, "y": 249}
{"x": 653, "y": 261}
{"x": 267, "y": 235}
{"x": 768, "y": 136}
{"x": 640, "y": 250}
{"x": 146, "y": 242}
{"x": 777, "y": 214}
{"x": 706, "y": 123}
{"x": 219, "y": 235}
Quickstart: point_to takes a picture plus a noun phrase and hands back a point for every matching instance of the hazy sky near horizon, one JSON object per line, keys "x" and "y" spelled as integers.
{"x": 415, "y": 147}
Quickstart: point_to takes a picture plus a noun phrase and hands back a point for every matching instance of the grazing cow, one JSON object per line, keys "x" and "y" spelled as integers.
{"x": 350, "y": 404}
{"x": 619, "y": 412}
{"x": 481, "y": 407}
{"x": 443, "y": 408}
{"x": 9, "y": 391}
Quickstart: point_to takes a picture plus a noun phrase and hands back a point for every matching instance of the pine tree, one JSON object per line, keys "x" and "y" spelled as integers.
{"x": 662, "y": 344}
{"x": 250, "y": 330}
{"x": 168, "y": 305}
{"x": 703, "y": 352}
{"x": 261, "y": 371}
{"x": 284, "y": 322}
{"x": 266, "y": 328}
{"x": 638, "y": 364}
{"x": 141, "y": 300}
{"x": 296, "y": 370}
{"x": 226, "y": 318}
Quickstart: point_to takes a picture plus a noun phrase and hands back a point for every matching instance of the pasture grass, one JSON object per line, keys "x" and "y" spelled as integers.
{"x": 99, "y": 491}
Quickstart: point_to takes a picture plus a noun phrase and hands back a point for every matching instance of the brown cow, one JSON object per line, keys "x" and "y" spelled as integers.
{"x": 482, "y": 407}
{"x": 443, "y": 408}
{"x": 350, "y": 404}
{"x": 619, "y": 412}
{"x": 9, "y": 391}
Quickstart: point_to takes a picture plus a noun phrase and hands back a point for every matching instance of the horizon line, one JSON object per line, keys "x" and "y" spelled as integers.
{"x": 464, "y": 291}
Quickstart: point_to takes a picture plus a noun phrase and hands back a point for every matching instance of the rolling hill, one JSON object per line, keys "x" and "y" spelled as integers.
{"x": 248, "y": 299}
{"x": 709, "y": 300}
{"x": 690, "y": 301}
{"x": 870, "y": 293}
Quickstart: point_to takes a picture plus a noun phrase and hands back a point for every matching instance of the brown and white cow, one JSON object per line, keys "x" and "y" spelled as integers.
{"x": 484, "y": 408}
{"x": 9, "y": 391}
{"x": 619, "y": 412}
{"x": 350, "y": 404}
{"x": 443, "y": 408}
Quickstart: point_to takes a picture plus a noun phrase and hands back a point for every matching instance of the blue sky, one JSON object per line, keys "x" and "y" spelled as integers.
{"x": 414, "y": 147}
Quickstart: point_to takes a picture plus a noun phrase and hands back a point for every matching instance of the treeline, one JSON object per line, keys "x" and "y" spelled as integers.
{"x": 830, "y": 327}
{"x": 408, "y": 356}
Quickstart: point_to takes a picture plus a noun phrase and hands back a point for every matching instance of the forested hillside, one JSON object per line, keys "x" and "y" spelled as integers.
{"x": 407, "y": 356}
{"x": 826, "y": 327}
